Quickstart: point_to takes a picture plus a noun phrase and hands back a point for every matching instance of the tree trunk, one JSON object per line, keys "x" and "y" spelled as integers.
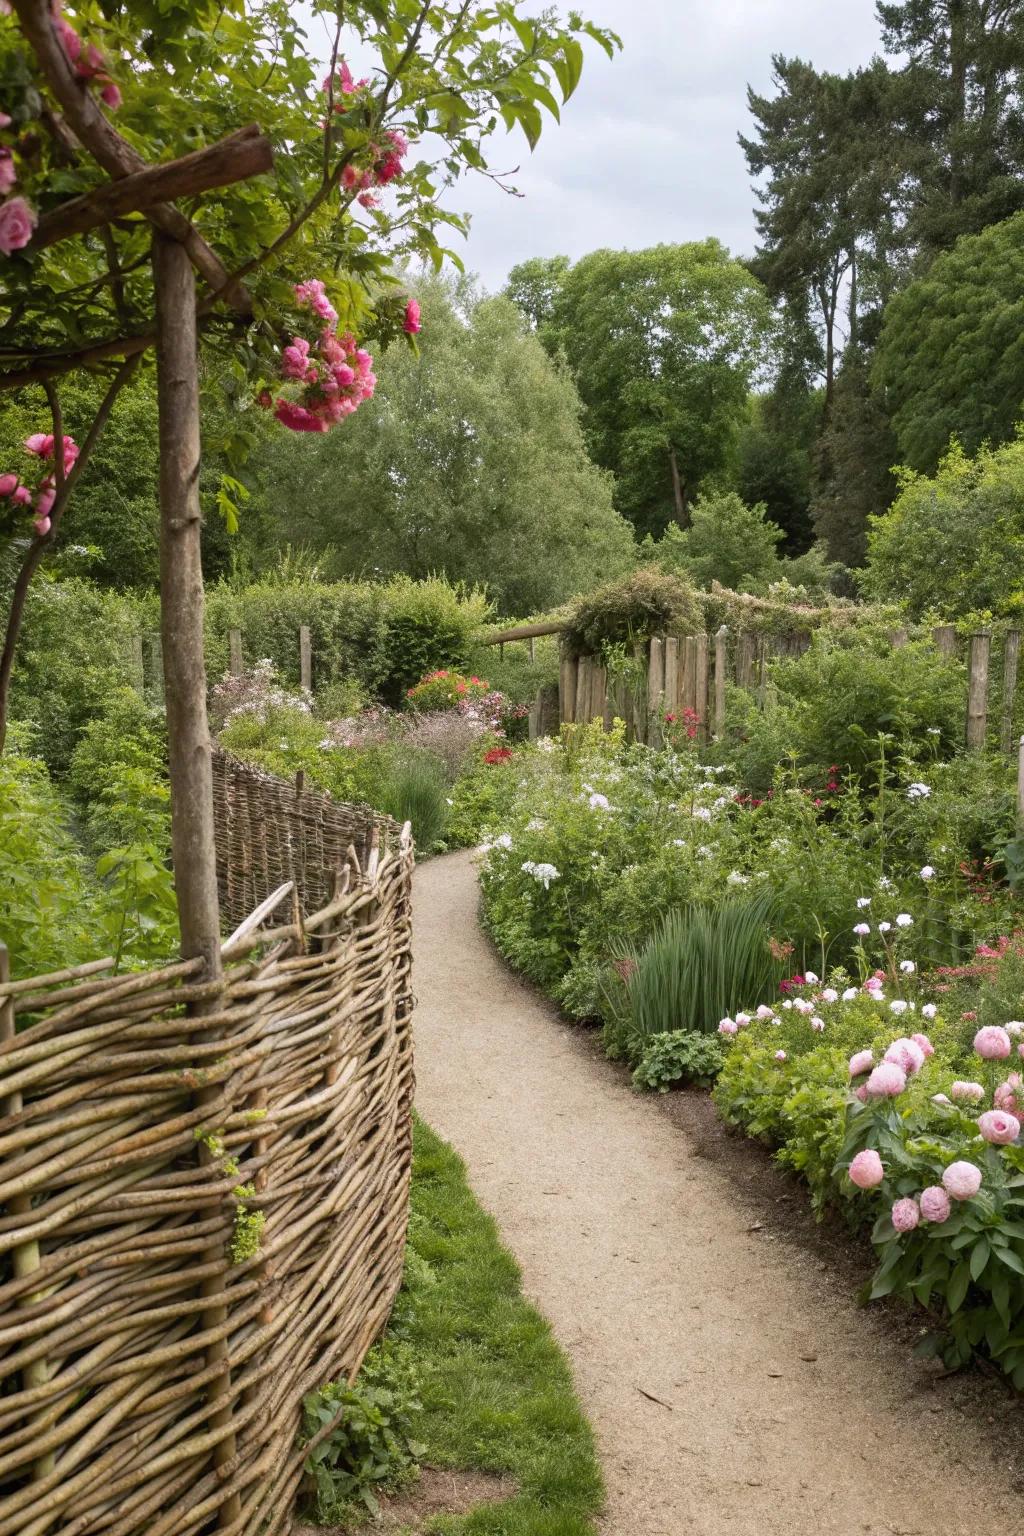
{"x": 678, "y": 490}
{"x": 958, "y": 88}
{"x": 854, "y": 301}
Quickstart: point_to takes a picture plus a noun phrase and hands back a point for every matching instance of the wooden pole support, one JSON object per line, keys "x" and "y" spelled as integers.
{"x": 701, "y": 703}
{"x": 944, "y": 636}
{"x": 1011, "y": 662}
{"x": 305, "y": 659}
{"x": 567, "y": 689}
{"x": 977, "y": 690}
{"x": 655, "y": 691}
{"x": 672, "y": 674}
{"x": 721, "y": 663}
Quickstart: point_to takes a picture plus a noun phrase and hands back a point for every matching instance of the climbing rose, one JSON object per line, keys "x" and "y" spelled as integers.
{"x": 999, "y": 1127}
{"x": 905, "y": 1054}
{"x": 962, "y": 1181}
{"x": 992, "y": 1043}
{"x": 312, "y": 295}
{"x": 8, "y": 485}
{"x": 866, "y": 1170}
{"x": 905, "y": 1215}
{"x": 17, "y": 221}
{"x": 412, "y": 322}
{"x": 886, "y": 1081}
{"x": 935, "y": 1204}
{"x": 863, "y": 1061}
{"x": 967, "y": 1093}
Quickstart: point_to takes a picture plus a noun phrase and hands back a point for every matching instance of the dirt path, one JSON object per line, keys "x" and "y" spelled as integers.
{"x": 789, "y": 1409}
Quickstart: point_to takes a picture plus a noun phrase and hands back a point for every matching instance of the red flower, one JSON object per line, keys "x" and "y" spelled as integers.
{"x": 498, "y": 755}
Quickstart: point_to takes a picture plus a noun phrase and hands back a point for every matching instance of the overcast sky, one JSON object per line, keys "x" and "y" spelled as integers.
{"x": 647, "y": 150}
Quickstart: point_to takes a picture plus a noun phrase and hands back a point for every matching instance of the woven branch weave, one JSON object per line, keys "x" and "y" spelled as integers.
{"x": 152, "y": 1362}
{"x": 270, "y": 831}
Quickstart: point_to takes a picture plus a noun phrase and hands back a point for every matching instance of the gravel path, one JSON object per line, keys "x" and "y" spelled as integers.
{"x": 732, "y": 1388}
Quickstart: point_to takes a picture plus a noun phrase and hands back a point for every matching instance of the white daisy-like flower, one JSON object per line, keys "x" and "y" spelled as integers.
{"x": 904, "y": 920}
{"x": 928, "y": 1010}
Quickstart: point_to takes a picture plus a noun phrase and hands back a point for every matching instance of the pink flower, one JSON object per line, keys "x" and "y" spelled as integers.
{"x": 906, "y": 1054}
{"x": 998, "y": 1127}
{"x": 69, "y": 38}
{"x": 8, "y": 485}
{"x": 935, "y": 1204}
{"x": 17, "y": 221}
{"x": 111, "y": 96}
{"x": 861, "y": 1093}
{"x": 863, "y": 1061}
{"x": 967, "y": 1093}
{"x": 294, "y": 359}
{"x": 866, "y": 1170}
{"x": 40, "y": 443}
{"x": 886, "y": 1081}
{"x": 728, "y": 1027}
{"x": 905, "y": 1215}
{"x": 44, "y": 502}
{"x": 42, "y": 526}
{"x": 22, "y": 496}
{"x": 5, "y": 118}
{"x": 924, "y": 1044}
{"x": 412, "y": 322}
{"x": 8, "y": 174}
{"x": 993, "y": 1043}
{"x": 1005, "y": 1096}
{"x": 368, "y": 200}
{"x": 961, "y": 1180}
{"x": 780, "y": 1056}
{"x": 297, "y": 417}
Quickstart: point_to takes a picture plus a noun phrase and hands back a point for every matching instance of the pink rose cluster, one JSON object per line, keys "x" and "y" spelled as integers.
{"x": 385, "y": 166}
{"x": 334, "y": 374}
{"x": 86, "y": 60}
{"x": 17, "y": 217}
{"x": 41, "y": 444}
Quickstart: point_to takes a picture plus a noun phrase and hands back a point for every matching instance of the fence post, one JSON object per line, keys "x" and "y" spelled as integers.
{"x": 655, "y": 691}
{"x": 689, "y": 688}
{"x": 672, "y": 674}
{"x": 899, "y": 638}
{"x": 235, "y": 652}
{"x": 567, "y": 688}
{"x": 701, "y": 697}
{"x": 745, "y": 661}
{"x": 1011, "y": 658}
{"x": 944, "y": 636}
{"x": 977, "y": 690}
{"x": 305, "y": 659}
{"x": 156, "y": 666}
{"x": 721, "y": 662}
{"x": 584, "y": 669}
{"x": 138, "y": 664}
{"x": 533, "y": 648}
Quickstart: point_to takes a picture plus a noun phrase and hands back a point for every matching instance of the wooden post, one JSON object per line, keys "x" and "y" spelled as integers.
{"x": 672, "y": 674}
{"x": 655, "y": 692}
{"x": 701, "y": 699}
{"x": 977, "y": 690}
{"x": 1011, "y": 659}
{"x": 745, "y": 660}
{"x": 721, "y": 662}
{"x": 191, "y": 771}
{"x": 944, "y": 636}
{"x": 1020, "y": 786}
{"x": 567, "y": 689}
{"x": 584, "y": 669}
{"x": 138, "y": 664}
{"x": 156, "y": 667}
{"x": 305, "y": 659}
{"x": 533, "y": 727}
{"x": 533, "y": 648}
{"x": 899, "y": 638}
{"x": 235, "y": 652}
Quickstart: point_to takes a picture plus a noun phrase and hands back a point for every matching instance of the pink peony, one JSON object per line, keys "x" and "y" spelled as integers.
{"x": 935, "y": 1204}
{"x": 906, "y": 1054}
{"x": 22, "y": 496}
{"x": 412, "y": 322}
{"x": 905, "y": 1215}
{"x": 728, "y": 1027}
{"x": 17, "y": 221}
{"x": 40, "y": 443}
{"x": 861, "y": 1093}
{"x": 993, "y": 1043}
{"x": 1005, "y": 1096}
{"x": 886, "y": 1081}
{"x": 999, "y": 1127}
{"x": 961, "y": 1180}
{"x": 967, "y": 1093}
{"x": 863, "y": 1061}
{"x": 866, "y": 1170}
{"x": 924, "y": 1043}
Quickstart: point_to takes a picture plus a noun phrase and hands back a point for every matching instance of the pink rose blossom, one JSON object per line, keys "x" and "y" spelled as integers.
{"x": 905, "y": 1215}
{"x": 992, "y": 1043}
{"x": 935, "y": 1204}
{"x": 961, "y": 1180}
{"x": 8, "y": 174}
{"x": 967, "y": 1093}
{"x": 886, "y": 1081}
{"x": 863, "y": 1061}
{"x": 412, "y": 322}
{"x": 999, "y": 1127}
{"x": 924, "y": 1044}
{"x": 17, "y": 221}
{"x": 40, "y": 443}
{"x": 8, "y": 485}
{"x": 44, "y": 502}
{"x": 866, "y": 1170}
{"x": 906, "y": 1054}
{"x": 42, "y": 526}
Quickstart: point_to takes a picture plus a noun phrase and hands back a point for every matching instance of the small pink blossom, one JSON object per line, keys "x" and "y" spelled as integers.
{"x": 5, "y": 118}
{"x": 17, "y": 221}
{"x": 886, "y": 1081}
{"x": 1005, "y": 1096}
{"x": 44, "y": 501}
{"x": 935, "y": 1204}
{"x": 412, "y": 322}
{"x": 999, "y": 1127}
{"x": 863, "y": 1061}
{"x": 905, "y": 1215}
{"x": 780, "y": 1056}
{"x": 42, "y": 526}
{"x": 861, "y": 1093}
{"x": 866, "y": 1170}
{"x": 961, "y": 1180}
{"x": 22, "y": 496}
{"x": 967, "y": 1093}
{"x": 110, "y": 95}
{"x": 8, "y": 485}
{"x": 906, "y": 1054}
{"x": 992, "y": 1043}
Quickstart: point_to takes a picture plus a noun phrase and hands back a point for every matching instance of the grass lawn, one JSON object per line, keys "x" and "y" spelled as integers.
{"x": 497, "y": 1392}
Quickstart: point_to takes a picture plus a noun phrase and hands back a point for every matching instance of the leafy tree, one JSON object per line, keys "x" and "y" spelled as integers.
{"x": 954, "y": 541}
{"x": 727, "y": 541}
{"x": 853, "y": 478}
{"x": 958, "y": 103}
{"x": 469, "y": 461}
{"x": 950, "y": 358}
{"x": 663, "y": 345}
{"x": 774, "y": 457}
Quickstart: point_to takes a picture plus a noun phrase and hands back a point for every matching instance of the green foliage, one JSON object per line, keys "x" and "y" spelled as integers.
{"x": 663, "y": 344}
{"x": 854, "y": 478}
{"x": 647, "y": 602}
{"x": 126, "y": 734}
{"x": 247, "y": 1229}
{"x": 678, "y": 1056}
{"x": 953, "y": 542}
{"x": 371, "y": 1449}
{"x": 950, "y": 357}
{"x": 726, "y": 541}
{"x": 414, "y": 789}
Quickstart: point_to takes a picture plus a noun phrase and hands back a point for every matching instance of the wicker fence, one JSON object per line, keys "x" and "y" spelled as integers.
{"x": 203, "y": 1195}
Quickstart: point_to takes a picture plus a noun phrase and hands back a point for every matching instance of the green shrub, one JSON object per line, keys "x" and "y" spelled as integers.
{"x": 127, "y": 733}
{"x": 678, "y": 1056}
{"x": 727, "y": 541}
{"x": 414, "y": 789}
{"x": 647, "y": 602}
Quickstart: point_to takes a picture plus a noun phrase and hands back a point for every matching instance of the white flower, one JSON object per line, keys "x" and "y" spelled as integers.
{"x": 927, "y": 873}
{"x": 678, "y": 842}
{"x": 545, "y": 744}
{"x": 904, "y": 920}
{"x": 504, "y": 841}
{"x": 701, "y": 813}
{"x": 884, "y": 927}
{"x": 705, "y": 853}
{"x": 863, "y": 901}
{"x": 764, "y": 1012}
{"x": 780, "y": 1056}
{"x": 743, "y": 1019}
{"x": 802, "y": 1005}
{"x": 542, "y": 873}
{"x": 929, "y": 1010}
{"x": 849, "y": 994}
{"x": 898, "y": 1006}
{"x": 941, "y": 1098}
{"x": 1014, "y": 1027}
{"x": 535, "y": 824}
{"x": 788, "y": 1003}
{"x": 598, "y": 802}
{"x": 830, "y": 995}
{"x": 933, "y": 730}
{"x": 735, "y": 878}
{"x": 817, "y": 1024}
{"x": 918, "y": 791}
{"x": 720, "y": 802}
{"x": 449, "y": 801}
{"x": 908, "y": 967}
{"x": 862, "y": 928}
{"x": 810, "y": 976}
{"x": 884, "y": 883}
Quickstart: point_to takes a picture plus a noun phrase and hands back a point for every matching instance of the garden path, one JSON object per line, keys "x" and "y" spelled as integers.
{"x": 731, "y": 1388}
